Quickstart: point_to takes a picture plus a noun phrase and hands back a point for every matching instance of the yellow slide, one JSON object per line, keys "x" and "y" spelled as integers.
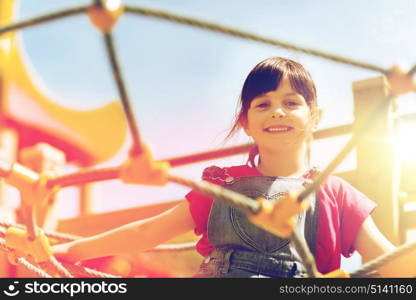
{"x": 86, "y": 136}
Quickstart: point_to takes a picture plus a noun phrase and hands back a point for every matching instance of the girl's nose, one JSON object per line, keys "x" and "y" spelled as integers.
{"x": 278, "y": 113}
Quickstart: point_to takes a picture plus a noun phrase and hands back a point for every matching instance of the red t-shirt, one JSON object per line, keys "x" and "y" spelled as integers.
{"x": 342, "y": 210}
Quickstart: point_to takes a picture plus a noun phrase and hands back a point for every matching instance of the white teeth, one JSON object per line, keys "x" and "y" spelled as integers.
{"x": 277, "y": 129}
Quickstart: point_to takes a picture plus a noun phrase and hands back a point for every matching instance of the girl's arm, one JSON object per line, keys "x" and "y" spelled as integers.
{"x": 136, "y": 236}
{"x": 371, "y": 243}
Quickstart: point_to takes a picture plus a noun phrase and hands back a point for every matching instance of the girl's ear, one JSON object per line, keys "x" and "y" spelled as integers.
{"x": 244, "y": 125}
{"x": 316, "y": 117}
{"x": 247, "y": 131}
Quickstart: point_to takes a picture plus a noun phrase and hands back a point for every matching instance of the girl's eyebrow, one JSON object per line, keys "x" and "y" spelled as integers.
{"x": 265, "y": 96}
{"x": 260, "y": 98}
{"x": 293, "y": 94}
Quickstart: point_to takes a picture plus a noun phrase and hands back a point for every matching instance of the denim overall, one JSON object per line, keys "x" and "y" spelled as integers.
{"x": 245, "y": 250}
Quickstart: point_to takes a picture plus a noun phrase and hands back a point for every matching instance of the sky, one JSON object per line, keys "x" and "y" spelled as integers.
{"x": 184, "y": 82}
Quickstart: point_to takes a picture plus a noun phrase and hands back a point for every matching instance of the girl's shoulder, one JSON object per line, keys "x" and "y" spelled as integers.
{"x": 336, "y": 183}
{"x": 223, "y": 174}
{"x": 340, "y": 190}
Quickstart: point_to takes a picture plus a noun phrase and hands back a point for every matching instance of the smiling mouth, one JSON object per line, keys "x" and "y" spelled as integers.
{"x": 279, "y": 129}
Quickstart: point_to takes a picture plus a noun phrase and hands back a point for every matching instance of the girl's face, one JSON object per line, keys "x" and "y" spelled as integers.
{"x": 279, "y": 118}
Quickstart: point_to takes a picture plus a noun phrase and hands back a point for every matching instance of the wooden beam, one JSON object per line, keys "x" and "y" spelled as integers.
{"x": 377, "y": 171}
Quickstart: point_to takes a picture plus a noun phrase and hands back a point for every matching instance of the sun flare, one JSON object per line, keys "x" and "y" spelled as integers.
{"x": 406, "y": 142}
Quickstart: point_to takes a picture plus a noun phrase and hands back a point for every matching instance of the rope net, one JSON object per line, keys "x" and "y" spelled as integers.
{"x": 104, "y": 19}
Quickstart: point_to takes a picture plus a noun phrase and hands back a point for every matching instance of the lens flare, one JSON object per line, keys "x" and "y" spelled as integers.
{"x": 406, "y": 142}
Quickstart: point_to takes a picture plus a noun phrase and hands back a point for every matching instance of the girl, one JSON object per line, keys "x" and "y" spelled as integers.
{"x": 278, "y": 110}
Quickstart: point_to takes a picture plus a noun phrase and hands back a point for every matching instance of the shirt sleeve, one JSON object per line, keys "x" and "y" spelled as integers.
{"x": 355, "y": 208}
{"x": 199, "y": 206}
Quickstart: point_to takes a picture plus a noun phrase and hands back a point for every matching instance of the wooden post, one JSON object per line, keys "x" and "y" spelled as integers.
{"x": 8, "y": 147}
{"x": 85, "y": 200}
{"x": 377, "y": 169}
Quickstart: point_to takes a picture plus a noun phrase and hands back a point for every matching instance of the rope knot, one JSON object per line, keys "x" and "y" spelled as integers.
{"x": 142, "y": 169}
{"x": 104, "y": 14}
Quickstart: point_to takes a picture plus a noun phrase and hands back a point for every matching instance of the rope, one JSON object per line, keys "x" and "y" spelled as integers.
{"x": 232, "y": 198}
{"x": 164, "y": 15}
{"x": 355, "y": 138}
{"x": 115, "y": 68}
{"x": 305, "y": 254}
{"x": 33, "y": 268}
{"x": 3, "y": 245}
{"x": 109, "y": 173}
{"x": 237, "y": 200}
{"x": 84, "y": 271}
{"x": 22, "y": 261}
{"x": 209, "y": 155}
{"x": 412, "y": 71}
{"x": 62, "y": 237}
{"x": 378, "y": 262}
{"x": 43, "y": 19}
{"x": 68, "y": 270}
{"x": 195, "y": 23}
{"x": 63, "y": 269}
{"x": 249, "y": 206}
{"x": 81, "y": 270}
{"x": 55, "y": 267}
{"x": 84, "y": 176}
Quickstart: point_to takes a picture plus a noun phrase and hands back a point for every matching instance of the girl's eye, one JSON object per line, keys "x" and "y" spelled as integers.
{"x": 262, "y": 105}
{"x": 292, "y": 103}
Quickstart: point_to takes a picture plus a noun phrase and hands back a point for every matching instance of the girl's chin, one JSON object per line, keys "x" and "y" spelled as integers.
{"x": 282, "y": 144}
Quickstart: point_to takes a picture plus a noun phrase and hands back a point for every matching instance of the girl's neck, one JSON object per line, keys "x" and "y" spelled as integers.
{"x": 283, "y": 163}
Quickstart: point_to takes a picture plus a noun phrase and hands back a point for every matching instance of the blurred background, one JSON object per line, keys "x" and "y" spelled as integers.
{"x": 184, "y": 82}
